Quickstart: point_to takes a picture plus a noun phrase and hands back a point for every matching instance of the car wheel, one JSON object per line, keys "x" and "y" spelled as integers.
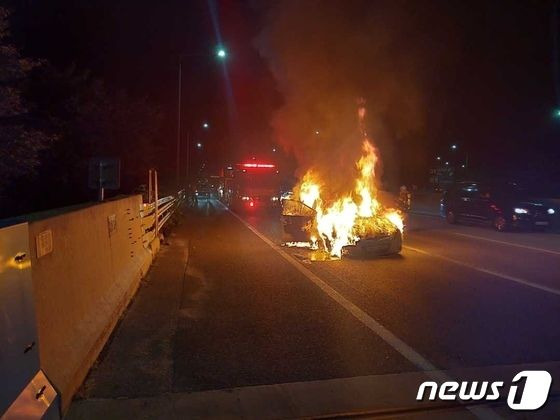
{"x": 500, "y": 223}
{"x": 450, "y": 217}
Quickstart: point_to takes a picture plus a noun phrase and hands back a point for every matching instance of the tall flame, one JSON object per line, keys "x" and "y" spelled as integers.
{"x": 354, "y": 215}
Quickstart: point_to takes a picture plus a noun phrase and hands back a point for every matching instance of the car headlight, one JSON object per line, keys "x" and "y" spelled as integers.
{"x": 519, "y": 210}
{"x": 274, "y": 198}
{"x": 550, "y": 211}
{"x": 245, "y": 198}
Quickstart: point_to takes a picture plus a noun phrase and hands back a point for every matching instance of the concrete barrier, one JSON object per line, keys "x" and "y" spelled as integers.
{"x": 86, "y": 266}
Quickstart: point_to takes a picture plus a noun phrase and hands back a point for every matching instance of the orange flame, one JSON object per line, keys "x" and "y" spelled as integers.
{"x": 354, "y": 215}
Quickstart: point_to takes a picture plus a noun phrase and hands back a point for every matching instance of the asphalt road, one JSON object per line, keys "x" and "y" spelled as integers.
{"x": 459, "y": 295}
{"x": 252, "y": 313}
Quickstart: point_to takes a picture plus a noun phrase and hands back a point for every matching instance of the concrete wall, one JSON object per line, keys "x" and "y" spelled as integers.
{"x": 83, "y": 285}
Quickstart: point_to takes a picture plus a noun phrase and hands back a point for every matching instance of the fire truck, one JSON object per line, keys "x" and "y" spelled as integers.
{"x": 251, "y": 186}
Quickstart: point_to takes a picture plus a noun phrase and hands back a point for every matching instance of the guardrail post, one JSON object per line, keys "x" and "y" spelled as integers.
{"x": 156, "y": 201}
{"x": 101, "y": 195}
{"x": 150, "y": 188}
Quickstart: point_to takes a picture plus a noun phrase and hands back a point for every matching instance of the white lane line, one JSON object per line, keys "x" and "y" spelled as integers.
{"x": 395, "y": 342}
{"x": 410, "y": 354}
{"x": 486, "y": 271}
{"x": 532, "y": 248}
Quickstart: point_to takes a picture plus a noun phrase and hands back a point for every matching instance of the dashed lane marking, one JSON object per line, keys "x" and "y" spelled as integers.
{"x": 486, "y": 271}
{"x": 532, "y": 248}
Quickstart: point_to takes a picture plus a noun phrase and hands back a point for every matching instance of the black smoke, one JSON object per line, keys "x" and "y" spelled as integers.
{"x": 325, "y": 55}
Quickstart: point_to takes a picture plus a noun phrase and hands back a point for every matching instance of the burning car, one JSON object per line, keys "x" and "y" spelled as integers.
{"x": 298, "y": 222}
{"x": 382, "y": 244}
{"x": 353, "y": 224}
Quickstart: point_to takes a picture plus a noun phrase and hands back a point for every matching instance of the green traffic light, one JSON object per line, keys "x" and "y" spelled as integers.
{"x": 557, "y": 113}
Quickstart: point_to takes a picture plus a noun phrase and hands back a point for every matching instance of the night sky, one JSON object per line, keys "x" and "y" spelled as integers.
{"x": 477, "y": 74}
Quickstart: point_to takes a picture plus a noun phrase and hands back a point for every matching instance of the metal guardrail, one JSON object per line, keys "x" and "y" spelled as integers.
{"x": 155, "y": 215}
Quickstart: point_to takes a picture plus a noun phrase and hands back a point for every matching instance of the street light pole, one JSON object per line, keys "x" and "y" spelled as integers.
{"x": 221, "y": 54}
{"x": 178, "y": 163}
{"x": 188, "y": 155}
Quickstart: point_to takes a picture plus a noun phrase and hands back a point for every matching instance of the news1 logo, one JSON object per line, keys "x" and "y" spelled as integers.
{"x": 528, "y": 390}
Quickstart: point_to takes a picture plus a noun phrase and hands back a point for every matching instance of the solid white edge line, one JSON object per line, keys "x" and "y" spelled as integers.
{"x": 532, "y": 248}
{"x": 396, "y": 343}
{"x": 486, "y": 271}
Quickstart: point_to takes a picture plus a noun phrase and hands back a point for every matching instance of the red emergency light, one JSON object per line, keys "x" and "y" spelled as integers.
{"x": 258, "y": 165}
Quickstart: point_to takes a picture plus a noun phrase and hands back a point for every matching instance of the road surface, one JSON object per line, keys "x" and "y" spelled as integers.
{"x": 242, "y": 313}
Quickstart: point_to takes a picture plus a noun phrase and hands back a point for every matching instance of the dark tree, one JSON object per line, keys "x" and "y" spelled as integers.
{"x": 21, "y": 141}
{"x": 89, "y": 121}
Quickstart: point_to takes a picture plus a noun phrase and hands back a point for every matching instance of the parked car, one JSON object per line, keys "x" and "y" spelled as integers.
{"x": 505, "y": 206}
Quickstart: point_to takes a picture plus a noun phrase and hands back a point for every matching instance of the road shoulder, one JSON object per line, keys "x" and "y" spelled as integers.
{"x": 138, "y": 358}
{"x": 389, "y": 395}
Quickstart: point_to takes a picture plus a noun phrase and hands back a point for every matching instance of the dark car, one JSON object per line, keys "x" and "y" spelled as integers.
{"x": 505, "y": 206}
{"x": 203, "y": 189}
{"x": 203, "y": 192}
